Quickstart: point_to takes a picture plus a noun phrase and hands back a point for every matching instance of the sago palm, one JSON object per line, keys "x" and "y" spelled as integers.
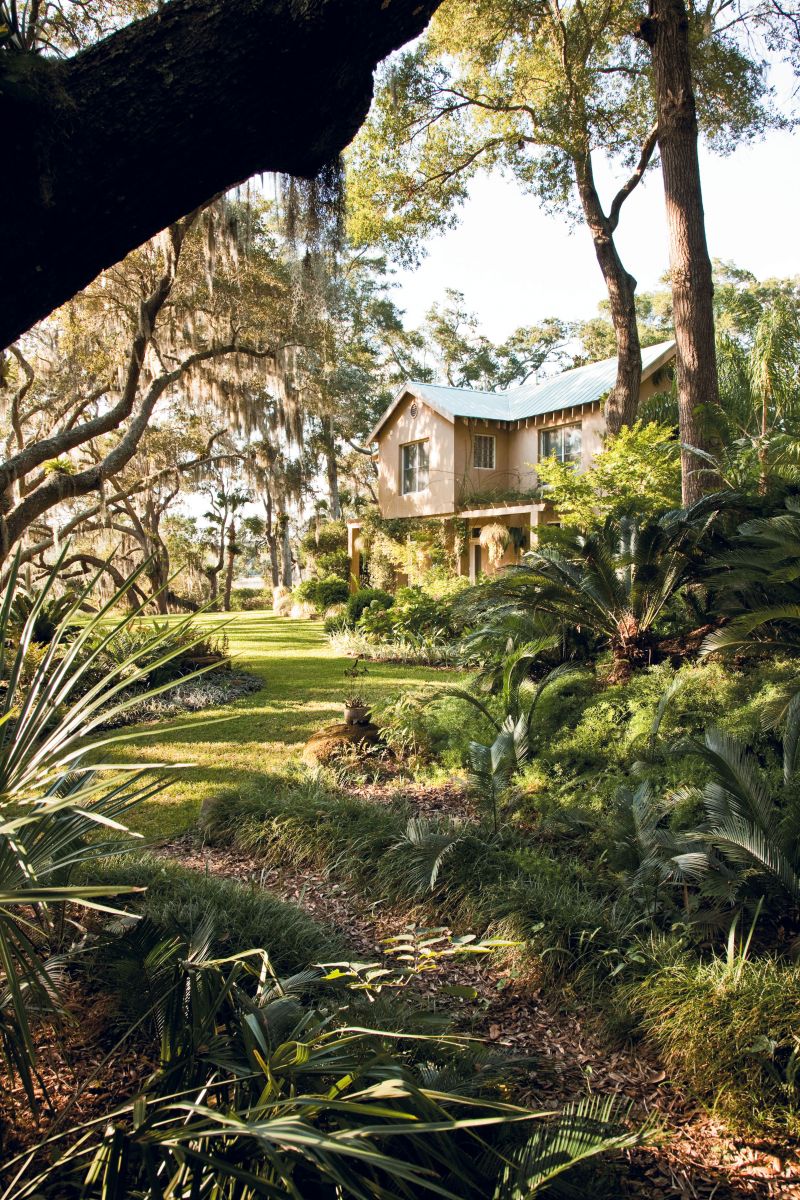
{"x": 615, "y": 581}
{"x": 757, "y": 584}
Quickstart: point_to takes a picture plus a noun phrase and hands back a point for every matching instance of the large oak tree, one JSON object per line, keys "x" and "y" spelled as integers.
{"x": 107, "y": 147}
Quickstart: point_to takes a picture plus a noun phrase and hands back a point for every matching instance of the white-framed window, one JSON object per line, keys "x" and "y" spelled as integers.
{"x": 483, "y": 452}
{"x": 414, "y": 467}
{"x": 563, "y": 443}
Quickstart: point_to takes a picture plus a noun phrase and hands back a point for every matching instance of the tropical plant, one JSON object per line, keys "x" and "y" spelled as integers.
{"x": 757, "y": 582}
{"x": 760, "y": 389}
{"x": 49, "y": 613}
{"x": 260, "y": 1093}
{"x": 616, "y": 581}
{"x": 57, "y": 811}
{"x": 753, "y": 830}
{"x": 494, "y": 765}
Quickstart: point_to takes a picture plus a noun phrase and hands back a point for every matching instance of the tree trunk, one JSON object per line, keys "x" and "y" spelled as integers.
{"x": 272, "y": 542}
{"x": 622, "y": 403}
{"x": 286, "y": 553}
{"x": 205, "y": 93}
{"x": 231, "y": 553}
{"x": 331, "y": 468}
{"x": 666, "y": 31}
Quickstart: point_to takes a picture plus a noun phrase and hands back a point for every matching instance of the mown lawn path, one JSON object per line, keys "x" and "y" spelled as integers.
{"x": 248, "y": 744}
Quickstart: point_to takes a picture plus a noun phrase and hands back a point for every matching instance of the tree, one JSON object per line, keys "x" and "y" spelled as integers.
{"x": 226, "y": 497}
{"x": 83, "y": 134}
{"x": 83, "y": 387}
{"x": 666, "y": 32}
{"x": 540, "y": 90}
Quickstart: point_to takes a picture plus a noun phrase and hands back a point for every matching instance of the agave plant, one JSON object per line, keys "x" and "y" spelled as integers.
{"x": 60, "y": 808}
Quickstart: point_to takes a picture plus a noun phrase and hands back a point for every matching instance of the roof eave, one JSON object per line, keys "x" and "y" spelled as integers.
{"x": 668, "y": 353}
{"x": 408, "y": 389}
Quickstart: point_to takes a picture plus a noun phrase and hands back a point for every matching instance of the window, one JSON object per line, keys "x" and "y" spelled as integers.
{"x": 563, "y": 443}
{"x": 483, "y": 451}
{"x": 414, "y": 465}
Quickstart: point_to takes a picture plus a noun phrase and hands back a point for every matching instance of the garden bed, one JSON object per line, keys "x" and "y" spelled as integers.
{"x": 212, "y": 690}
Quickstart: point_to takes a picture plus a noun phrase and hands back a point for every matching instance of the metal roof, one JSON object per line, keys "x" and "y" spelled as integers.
{"x": 581, "y": 385}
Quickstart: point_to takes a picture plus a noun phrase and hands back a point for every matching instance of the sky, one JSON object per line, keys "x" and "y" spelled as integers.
{"x": 517, "y": 265}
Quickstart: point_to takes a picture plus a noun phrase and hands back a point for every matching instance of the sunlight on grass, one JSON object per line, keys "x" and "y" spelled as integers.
{"x": 263, "y": 734}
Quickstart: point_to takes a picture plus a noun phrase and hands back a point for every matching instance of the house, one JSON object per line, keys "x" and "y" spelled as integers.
{"x": 461, "y": 453}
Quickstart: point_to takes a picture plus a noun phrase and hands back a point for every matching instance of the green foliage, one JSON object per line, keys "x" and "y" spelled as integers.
{"x": 365, "y": 598}
{"x": 525, "y": 87}
{"x": 323, "y": 593}
{"x": 326, "y": 538}
{"x": 413, "y": 613}
{"x": 729, "y": 1028}
{"x": 56, "y": 811}
{"x": 616, "y": 582}
{"x": 756, "y": 579}
{"x": 637, "y": 473}
{"x": 176, "y": 901}
{"x": 251, "y": 599}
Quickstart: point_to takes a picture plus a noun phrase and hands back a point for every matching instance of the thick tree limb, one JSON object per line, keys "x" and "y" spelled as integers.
{"x": 115, "y": 144}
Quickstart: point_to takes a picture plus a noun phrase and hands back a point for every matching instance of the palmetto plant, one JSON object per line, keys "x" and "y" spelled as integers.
{"x": 60, "y": 808}
{"x": 263, "y": 1091}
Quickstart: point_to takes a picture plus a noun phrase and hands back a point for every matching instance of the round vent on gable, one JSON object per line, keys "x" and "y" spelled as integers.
{"x": 413, "y": 409}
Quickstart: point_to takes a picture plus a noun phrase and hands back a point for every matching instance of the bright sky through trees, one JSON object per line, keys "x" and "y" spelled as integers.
{"x": 515, "y": 265}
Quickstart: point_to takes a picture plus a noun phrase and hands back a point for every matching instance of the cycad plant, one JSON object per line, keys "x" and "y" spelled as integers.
{"x": 59, "y": 808}
{"x": 615, "y": 582}
{"x": 751, "y": 826}
{"x": 757, "y": 582}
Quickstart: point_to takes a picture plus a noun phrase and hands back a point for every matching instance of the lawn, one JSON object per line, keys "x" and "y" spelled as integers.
{"x": 257, "y": 741}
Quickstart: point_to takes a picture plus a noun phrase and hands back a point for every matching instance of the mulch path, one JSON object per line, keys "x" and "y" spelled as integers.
{"x": 698, "y": 1161}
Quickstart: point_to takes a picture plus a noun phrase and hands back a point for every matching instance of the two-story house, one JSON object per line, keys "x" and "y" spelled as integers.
{"x": 459, "y": 452}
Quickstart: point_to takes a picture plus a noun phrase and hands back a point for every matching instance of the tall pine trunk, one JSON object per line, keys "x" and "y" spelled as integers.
{"x": 623, "y": 401}
{"x": 666, "y": 31}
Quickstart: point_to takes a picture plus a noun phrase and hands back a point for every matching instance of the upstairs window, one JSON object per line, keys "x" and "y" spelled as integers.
{"x": 414, "y": 466}
{"x": 563, "y": 443}
{"x": 483, "y": 451}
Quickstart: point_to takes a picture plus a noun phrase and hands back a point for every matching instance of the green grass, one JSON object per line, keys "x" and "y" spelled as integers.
{"x": 261, "y": 737}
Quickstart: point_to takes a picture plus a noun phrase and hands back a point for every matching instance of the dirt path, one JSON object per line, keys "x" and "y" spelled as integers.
{"x": 699, "y": 1161}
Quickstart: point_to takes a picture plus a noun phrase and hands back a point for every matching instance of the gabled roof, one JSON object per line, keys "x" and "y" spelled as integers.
{"x": 581, "y": 385}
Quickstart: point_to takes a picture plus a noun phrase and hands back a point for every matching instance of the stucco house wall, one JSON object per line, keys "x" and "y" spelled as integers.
{"x": 402, "y": 427}
{"x": 472, "y": 480}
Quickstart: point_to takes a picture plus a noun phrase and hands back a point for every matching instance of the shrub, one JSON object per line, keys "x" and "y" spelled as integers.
{"x": 178, "y": 899}
{"x": 328, "y": 538}
{"x": 636, "y": 473}
{"x": 336, "y": 562}
{"x": 322, "y": 593}
{"x": 251, "y": 599}
{"x": 729, "y": 1029}
{"x": 366, "y": 598}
